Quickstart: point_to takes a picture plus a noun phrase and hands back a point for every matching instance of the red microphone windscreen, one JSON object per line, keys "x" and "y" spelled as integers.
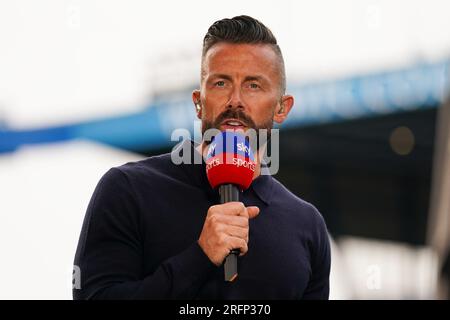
{"x": 230, "y": 160}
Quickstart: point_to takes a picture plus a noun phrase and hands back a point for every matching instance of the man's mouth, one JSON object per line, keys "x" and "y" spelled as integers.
{"x": 233, "y": 124}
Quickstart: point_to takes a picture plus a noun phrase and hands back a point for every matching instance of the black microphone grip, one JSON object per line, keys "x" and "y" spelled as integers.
{"x": 229, "y": 193}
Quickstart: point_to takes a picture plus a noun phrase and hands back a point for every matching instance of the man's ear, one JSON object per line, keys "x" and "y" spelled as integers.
{"x": 197, "y": 103}
{"x": 286, "y": 103}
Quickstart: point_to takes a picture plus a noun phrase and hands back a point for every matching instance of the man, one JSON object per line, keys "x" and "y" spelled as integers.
{"x": 155, "y": 230}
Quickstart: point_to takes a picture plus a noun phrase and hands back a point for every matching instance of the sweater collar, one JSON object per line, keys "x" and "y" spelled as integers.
{"x": 262, "y": 185}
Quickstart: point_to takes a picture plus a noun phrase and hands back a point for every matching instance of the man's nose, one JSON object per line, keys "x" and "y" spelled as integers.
{"x": 235, "y": 100}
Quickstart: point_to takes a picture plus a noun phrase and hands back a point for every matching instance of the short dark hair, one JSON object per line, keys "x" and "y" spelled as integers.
{"x": 243, "y": 29}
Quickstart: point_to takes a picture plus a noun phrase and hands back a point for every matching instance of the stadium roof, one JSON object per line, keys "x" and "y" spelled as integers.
{"x": 420, "y": 86}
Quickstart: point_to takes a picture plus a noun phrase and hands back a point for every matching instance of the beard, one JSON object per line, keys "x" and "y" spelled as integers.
{"x": 238, "y": 114}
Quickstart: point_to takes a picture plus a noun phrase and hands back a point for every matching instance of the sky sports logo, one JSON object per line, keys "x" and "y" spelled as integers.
{"x": 241, "y": 149}
{"x": 231, "y": 160}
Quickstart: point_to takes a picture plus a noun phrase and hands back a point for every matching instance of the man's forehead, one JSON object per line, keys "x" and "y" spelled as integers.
{"x": 256, "y": 56}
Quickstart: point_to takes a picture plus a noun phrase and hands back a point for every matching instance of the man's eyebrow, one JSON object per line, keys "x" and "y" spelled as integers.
{"x": 254, "y": 78}
{"x": 221, "y": 76}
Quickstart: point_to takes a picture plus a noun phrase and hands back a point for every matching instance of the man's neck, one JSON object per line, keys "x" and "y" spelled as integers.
{"x": 203, "y": 149}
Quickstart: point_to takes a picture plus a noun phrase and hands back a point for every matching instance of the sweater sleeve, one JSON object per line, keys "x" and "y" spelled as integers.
{"x": 319, "y": 285}
{"x": 110, "y": 252}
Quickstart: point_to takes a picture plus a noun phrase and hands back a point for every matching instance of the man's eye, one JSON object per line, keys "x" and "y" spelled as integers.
{"x": 220, "y": 83}
{"x": 254, "y": 85}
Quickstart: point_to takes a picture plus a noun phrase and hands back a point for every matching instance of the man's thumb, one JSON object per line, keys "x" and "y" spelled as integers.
{"x": 252, "y": 212}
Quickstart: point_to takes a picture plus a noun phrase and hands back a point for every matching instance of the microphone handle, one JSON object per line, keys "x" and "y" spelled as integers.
{"x": 229, "y": 193}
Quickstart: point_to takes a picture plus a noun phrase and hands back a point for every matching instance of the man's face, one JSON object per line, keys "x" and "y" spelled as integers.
{"x": 240, "y": 88}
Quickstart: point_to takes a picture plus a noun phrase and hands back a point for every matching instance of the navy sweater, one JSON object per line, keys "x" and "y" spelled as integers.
{"x": 140, "y": 232}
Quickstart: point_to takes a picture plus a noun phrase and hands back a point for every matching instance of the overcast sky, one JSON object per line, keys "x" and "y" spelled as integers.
{"x": 62, "y": 61}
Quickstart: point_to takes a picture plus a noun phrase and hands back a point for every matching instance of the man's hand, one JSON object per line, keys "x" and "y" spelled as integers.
{"x": 226, "y": 228}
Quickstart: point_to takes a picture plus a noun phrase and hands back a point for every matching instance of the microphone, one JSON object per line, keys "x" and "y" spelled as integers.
{"x": 230, "y": 166}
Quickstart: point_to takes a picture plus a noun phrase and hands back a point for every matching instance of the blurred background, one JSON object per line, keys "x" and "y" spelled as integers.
{"x": 87, "y": 85}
